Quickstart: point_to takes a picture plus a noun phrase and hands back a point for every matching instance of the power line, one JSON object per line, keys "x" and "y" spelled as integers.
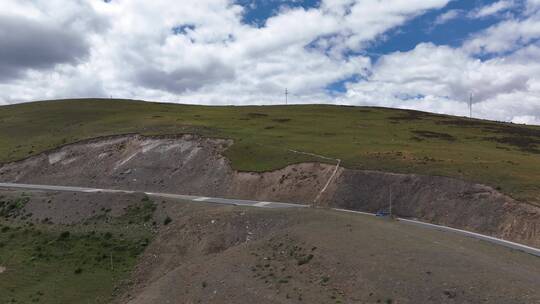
{"x": 286, "y": 96}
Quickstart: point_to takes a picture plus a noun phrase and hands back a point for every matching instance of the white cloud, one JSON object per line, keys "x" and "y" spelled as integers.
{"x": 368, "y": 19}
{"x": 132, "y": 52}
{"x": 532, "y": 6}
{"x": 526, "y": 119}
{"x": 219, "y": 58}
{"x": 440, "y": 79}
{"x": 508, "y": 35}
{"x": 448, "y": 16}
{"x": 492, "y": 9}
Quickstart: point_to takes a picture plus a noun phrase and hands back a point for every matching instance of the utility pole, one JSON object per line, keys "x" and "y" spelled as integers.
{"x": 470, "y": 105}
{"x": 286, "y": 96}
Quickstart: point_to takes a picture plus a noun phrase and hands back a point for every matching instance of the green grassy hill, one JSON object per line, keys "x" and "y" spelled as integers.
{"x": 505, "y": 156}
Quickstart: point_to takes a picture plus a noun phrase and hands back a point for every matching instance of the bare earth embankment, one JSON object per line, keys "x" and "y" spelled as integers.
{"x": 193, "y": 165}
{"x": 201, "y": 253}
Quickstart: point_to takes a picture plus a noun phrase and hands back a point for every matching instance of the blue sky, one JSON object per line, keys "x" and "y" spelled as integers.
{"x": 257, "y": 12}
{"x": 404, "y": 38}
{"x": 422, "y": 29}
{"x": 427, "y": 55}
{"x": 427, "y": 27}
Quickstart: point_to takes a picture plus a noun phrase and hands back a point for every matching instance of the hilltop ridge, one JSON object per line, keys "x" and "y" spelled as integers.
{"x": 501, "y": 155}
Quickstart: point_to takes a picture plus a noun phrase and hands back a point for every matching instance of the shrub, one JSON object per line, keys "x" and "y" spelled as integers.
{"x": 305, "y": 259}
{"x": 167, "y": 221}
{"x": 64, "y": 235}
{"x": 325, "y": 279}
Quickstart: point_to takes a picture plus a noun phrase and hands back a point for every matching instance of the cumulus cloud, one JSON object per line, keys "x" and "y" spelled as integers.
{"x": 440, "y": 79}
{"x": 505, "y": 36}
{"x": 203, "y": 48}
{"x": 489, "y": 10}
{"x": 492, "y": 9}
{"x": 27, "y": 44}
{"x": 203, "y": 51}
{"x": 184, "y": 78}
{"x": 532, "y": 5}
{"x": 447, "y": 16}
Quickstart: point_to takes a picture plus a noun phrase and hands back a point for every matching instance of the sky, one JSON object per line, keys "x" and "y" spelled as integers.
{"x": 428, "y": 55}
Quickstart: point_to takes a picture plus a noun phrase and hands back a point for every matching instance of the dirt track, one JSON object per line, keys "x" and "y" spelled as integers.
{"x": 193, "y": 165}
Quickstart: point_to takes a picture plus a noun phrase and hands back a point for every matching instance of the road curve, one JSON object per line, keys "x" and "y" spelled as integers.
{"x": 491, "y": 239}
{"x": 264, "y": 204}
{"x": 214, "y": 200}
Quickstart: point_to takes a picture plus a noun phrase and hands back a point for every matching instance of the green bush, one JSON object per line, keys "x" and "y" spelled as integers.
{"x": 167, "y": 221}
{"x": 64, "y": 235}
{"x": 304, "y": 259}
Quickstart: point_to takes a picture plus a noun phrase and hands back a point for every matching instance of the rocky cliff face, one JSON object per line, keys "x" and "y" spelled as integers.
{"x": 190, "y": 164}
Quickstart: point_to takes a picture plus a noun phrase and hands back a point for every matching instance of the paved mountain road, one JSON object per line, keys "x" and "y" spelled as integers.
{"x": 215, "y": 200}
{"x": 263, "y": 204}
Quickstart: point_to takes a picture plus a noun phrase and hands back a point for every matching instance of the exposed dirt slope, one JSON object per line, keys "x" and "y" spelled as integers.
{"x": 193, "y": 165}
{"x": 187, "y": 164}
{"x": 215, "y": 254}
{"x": 223, "y": 254}
{"x": 447, "y": 201}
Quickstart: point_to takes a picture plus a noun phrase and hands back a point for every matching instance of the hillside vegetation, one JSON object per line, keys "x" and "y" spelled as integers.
{"x": 70, "y": 248}
{"x": 504, "y": 156}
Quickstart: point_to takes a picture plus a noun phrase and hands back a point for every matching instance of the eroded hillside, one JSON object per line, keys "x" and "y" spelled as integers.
{"x": 502, "y": 155}
{"x": 191, "y": 164}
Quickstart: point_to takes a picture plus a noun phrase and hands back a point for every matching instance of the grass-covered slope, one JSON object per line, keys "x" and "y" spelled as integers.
{"x": 62, "y": 248}
{"x": 505, "y": 156}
